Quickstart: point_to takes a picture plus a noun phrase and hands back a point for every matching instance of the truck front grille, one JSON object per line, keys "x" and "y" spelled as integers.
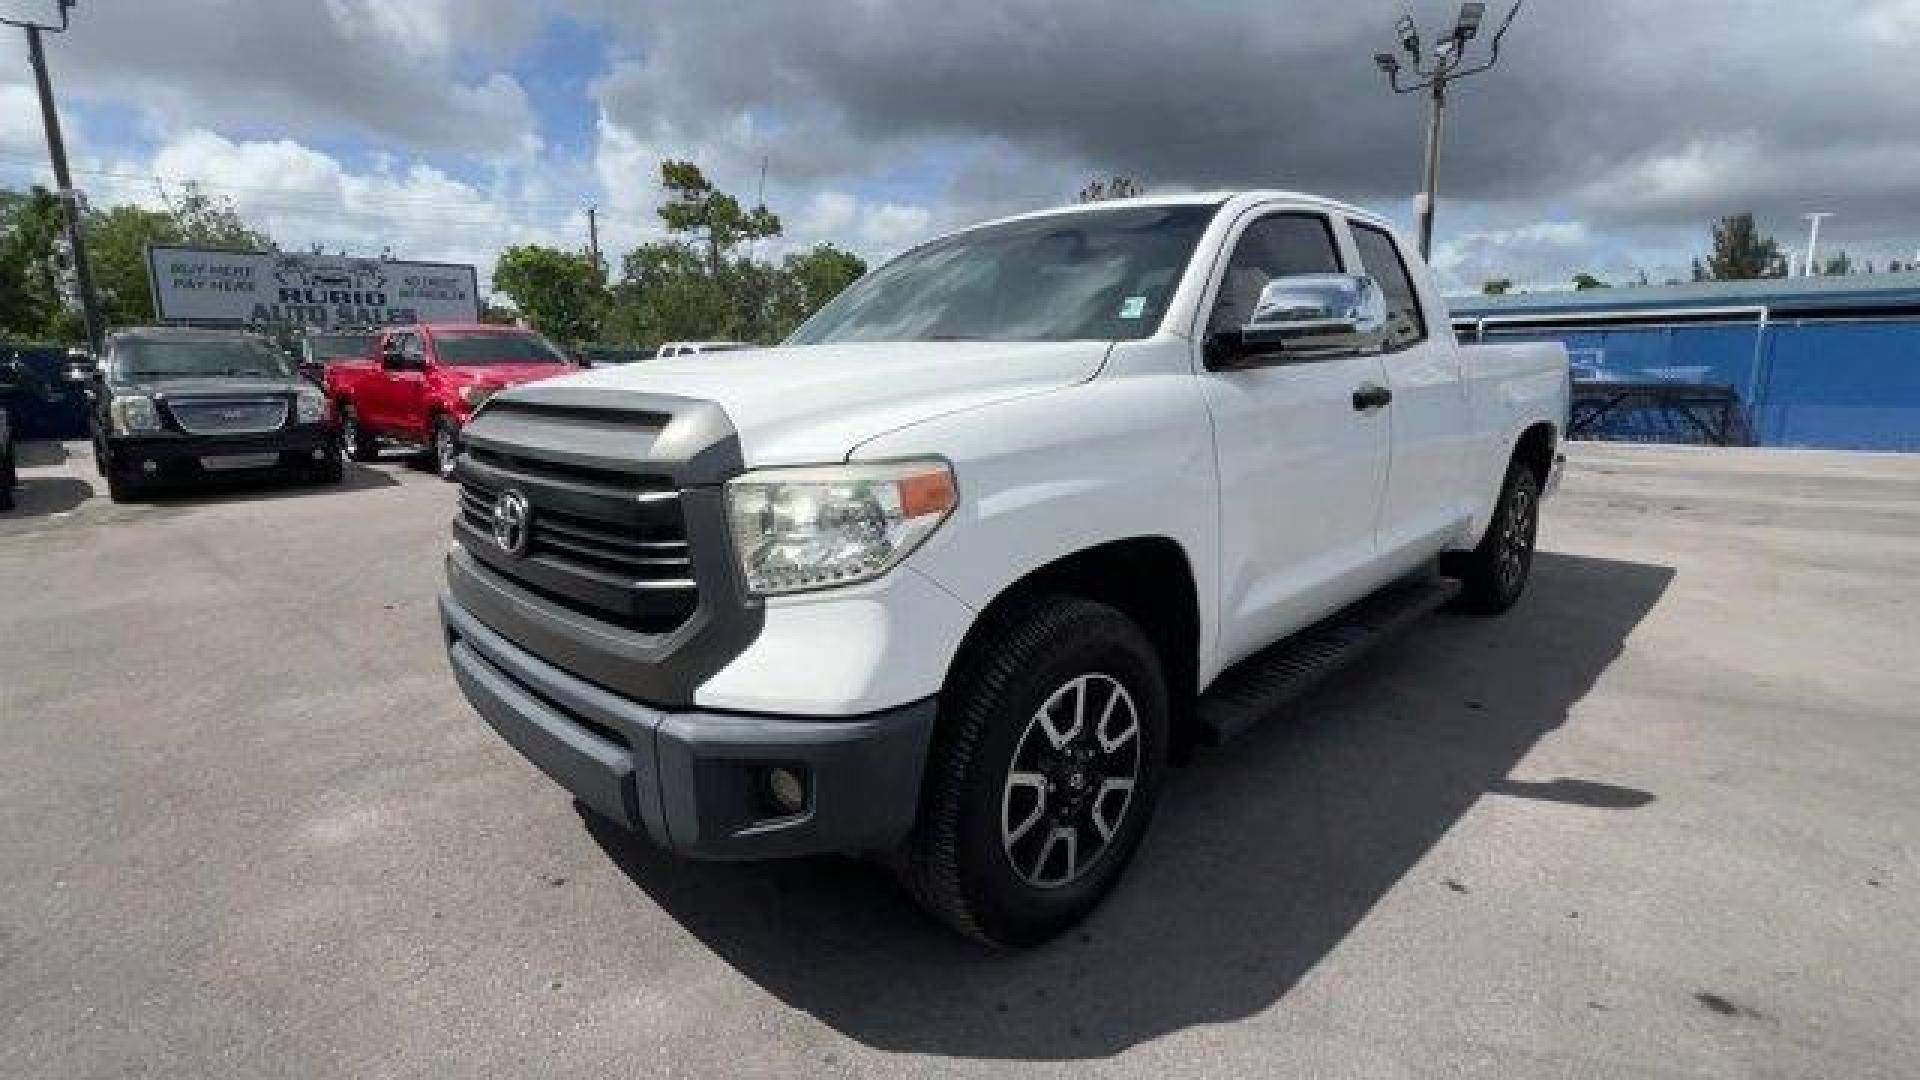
{"x": 609, "y": 545}
{"x": 228, "y": 416}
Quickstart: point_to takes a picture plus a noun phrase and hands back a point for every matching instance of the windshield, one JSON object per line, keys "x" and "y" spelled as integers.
{"x": 143, "y": 359}
{"x": 341, "y": 346}
{"x": 480, "y": 347}
{"x": 1091, "y": 275}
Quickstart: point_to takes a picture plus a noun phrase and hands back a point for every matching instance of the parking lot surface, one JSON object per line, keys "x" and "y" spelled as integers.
{"x": 1660, "y": 820}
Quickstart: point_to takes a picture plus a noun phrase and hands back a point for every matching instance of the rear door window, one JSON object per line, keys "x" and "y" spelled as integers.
{"x": 1380, "y": 257}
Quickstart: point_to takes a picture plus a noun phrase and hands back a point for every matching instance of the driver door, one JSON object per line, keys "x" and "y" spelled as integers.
{"x": 1302, "y": 465}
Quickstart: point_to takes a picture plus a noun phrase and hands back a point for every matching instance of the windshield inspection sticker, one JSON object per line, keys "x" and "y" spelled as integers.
{"x": 1133, "y": 307}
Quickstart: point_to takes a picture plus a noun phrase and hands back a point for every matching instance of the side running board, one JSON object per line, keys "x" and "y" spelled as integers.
{"x": 1263, "y": 683}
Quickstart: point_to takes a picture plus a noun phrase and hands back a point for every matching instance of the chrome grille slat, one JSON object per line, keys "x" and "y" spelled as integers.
{"x": 229, "y": 415}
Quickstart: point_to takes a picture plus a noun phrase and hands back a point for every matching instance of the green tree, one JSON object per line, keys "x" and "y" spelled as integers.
{"x": 1115, "y": 187}
{"x": 696, "y": 207}
{"x": 30, "y": 223}
{"x": 1496, "y": 286}
{"x": 117, "y": 241}
{"x": 559, "y": 292}
{"x": 807, "y": 280}
{"x": 703, "y": 282}
{"x": 1839, "y": 264}
{"x": 1584, "y": 281}
{"x": 1740, "y": 253}
{"x": 206, "y": 221}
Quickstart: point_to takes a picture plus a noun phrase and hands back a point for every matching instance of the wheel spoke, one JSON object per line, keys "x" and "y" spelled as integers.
{"x": 1068, "y": 835}
{"x": 1014, "y": 833}
{"x": 1112, "y": 741}
{"x": 1111, "y": 786}
{"x": 1059, "y": 738}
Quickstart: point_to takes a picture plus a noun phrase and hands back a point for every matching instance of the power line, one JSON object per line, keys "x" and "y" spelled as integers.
{"x": 431, "y": 201}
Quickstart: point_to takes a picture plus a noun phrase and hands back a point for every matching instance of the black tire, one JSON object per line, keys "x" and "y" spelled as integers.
{"x": 356, "y": 441}
{"x": 9, "y": 476}
{"x": 444, "y": 448}
{"x": 960, "y": 862}
{"x": 1494, "y": 574}
{"x": 121, "y": 487}
{"x": 331, "y": 470}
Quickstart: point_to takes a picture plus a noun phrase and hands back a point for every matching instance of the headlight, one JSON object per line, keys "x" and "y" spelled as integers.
{"x": 310, "y": 406}
{"x": 814, "y": 528}
{"x": 133, "y": 412}
{"x": 476, "y": 396}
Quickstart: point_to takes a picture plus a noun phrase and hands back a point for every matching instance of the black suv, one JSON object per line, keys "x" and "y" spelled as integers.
{"x": 174, "y": 403}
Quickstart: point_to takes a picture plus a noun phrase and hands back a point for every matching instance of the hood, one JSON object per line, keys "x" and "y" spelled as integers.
{"x": 816, "y": 403}
{"x": 502, "y": 374}
{"x": 216, "y": 386}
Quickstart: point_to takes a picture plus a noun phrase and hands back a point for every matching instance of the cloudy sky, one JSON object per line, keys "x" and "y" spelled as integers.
{"x": 1608, "y": 138}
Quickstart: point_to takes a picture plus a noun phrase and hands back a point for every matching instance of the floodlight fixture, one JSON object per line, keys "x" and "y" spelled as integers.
{"x": 49, "y": 15}
{"x": 1409, "y": 32}
{"x": 1468, "y": 25}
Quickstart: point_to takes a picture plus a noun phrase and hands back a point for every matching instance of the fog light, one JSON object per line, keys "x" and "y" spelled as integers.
{"x": 785, "y": 789}
{"x": 149, "y": 466}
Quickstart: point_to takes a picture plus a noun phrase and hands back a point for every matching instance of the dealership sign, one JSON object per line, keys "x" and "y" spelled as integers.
{"x": 203, "y": 285}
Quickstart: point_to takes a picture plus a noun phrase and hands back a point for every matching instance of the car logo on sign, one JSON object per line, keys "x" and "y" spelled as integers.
{"x": 512, "y": 523}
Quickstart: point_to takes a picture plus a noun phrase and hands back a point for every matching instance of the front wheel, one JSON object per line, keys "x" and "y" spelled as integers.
{"x": 1493, "y": 575}
{"x": 9, "y": 476}
{"x": 446, "y": 446}
{"x": 355, "y": 441}
{"x": 1043, "y": 773}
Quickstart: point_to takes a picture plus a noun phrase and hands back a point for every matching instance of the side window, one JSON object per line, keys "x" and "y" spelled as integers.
{"x": 1274, "y": 246}
{"x": 1380, "y": 257}
{"x": 414, "y": 347}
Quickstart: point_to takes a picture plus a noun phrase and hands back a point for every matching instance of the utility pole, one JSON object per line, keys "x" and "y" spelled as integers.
{"x": 57, "y": 151}
{"x": 593, "y": 234}
{"x": 1813, "y": 239}
{"x": 1449, "y": 64}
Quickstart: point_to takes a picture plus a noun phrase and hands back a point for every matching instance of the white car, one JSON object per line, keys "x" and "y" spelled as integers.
{"x": 1014, "y": 521}
{"x": 694, "y": 348}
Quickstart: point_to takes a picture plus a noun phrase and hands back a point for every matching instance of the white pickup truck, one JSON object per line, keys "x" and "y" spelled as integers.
{"x": 1019, "y": 518}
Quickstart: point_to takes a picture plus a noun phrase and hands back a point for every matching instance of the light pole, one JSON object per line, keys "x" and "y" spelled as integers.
{"x": 1449, "y": 63}
{"x": 57, "y": 150}
{"x": 1813, "y": 240}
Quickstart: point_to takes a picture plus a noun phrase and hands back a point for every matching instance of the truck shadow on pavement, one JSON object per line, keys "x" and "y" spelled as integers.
{"x": 1263, "y": 857}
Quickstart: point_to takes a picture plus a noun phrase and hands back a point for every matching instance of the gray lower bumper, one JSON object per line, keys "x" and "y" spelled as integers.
{"x": 693, "y": 781}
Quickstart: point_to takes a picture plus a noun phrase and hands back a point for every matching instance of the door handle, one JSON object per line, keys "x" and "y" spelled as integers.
{"x": 1371, "y": 396}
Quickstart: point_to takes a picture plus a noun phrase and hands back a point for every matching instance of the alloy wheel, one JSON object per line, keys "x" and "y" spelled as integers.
{"x": 1071, "y": 781}
{"x": 1517, "y": 536}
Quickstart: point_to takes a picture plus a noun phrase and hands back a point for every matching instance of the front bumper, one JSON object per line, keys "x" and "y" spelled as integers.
{"x": 174, "y": 453}
{"x": 693, "y": 781}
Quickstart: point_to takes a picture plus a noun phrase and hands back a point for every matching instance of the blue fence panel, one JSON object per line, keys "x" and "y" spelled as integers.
{"x": 1842, "y": 386}
{"x": 1835, "y": 385}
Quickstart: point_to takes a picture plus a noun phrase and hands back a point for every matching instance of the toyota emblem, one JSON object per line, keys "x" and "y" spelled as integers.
{"x": 512, "y": 523}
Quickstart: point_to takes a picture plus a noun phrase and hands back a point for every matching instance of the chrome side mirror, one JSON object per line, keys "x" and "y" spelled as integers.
{"x": 1312, "y": 317}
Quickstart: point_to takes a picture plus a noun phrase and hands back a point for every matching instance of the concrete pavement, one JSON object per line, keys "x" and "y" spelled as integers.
{"x": 1660, "y": 820}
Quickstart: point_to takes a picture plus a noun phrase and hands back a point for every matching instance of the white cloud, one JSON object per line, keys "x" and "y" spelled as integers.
{"x": 303, "y": 196}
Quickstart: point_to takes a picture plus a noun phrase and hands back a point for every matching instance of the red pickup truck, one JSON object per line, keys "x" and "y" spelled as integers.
{"x": 420, "y": 383}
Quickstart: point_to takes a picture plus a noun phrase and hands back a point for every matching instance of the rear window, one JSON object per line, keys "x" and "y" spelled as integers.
{"x": 342, "y": 346}
{"x": 480, "y": 347}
